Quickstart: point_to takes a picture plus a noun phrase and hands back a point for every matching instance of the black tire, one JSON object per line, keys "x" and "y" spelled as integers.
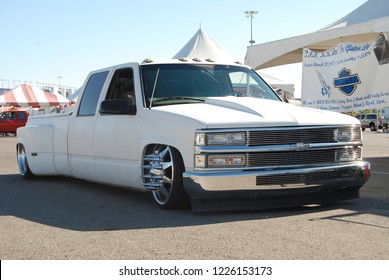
{"x": 24, "y": 168}
{"x": 167, "y": 169}
{"x": 373, "y": 127}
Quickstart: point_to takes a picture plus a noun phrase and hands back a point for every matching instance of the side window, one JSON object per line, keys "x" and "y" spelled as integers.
{"x": 244, "y": 84}
{"x": 21, "y": 116}
{"x": 122, "y": 86}
{"x": 5, "y": 116}
{"x": 9, "y": 116}
{"x": 91, "y": 94}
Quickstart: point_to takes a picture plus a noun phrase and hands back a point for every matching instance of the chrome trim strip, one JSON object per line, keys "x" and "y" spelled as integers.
{"x": 271, "y": 172}
{"x": 238, "y": 180}
{"x": 272, "y": 148}
{"x": 267, "y": 168}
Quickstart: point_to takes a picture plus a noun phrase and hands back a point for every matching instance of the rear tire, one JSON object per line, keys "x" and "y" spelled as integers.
{"x": 24, "y": 168}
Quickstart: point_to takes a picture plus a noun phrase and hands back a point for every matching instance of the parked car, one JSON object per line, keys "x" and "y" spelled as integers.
{"x": 11, "y": 120}
{"x": 370, "y": 120}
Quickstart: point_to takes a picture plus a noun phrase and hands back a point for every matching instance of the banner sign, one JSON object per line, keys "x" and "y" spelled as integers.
{"x": 349, "y": 77}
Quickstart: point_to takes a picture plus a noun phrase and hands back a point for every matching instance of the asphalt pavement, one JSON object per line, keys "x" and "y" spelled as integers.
{"x": 63, "y": 218}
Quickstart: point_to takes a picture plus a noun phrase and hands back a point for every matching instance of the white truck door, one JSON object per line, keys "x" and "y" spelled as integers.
{"x": 115, "y": 151}
{"x": 82, "y": 126}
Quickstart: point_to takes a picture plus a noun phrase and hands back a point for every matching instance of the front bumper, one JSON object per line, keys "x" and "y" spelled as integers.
{"x": 258, "y": 189}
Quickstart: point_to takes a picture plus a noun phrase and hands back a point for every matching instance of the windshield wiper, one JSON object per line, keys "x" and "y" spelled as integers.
{"x": 234, "y": 93}
{"x": 177, "y": 98}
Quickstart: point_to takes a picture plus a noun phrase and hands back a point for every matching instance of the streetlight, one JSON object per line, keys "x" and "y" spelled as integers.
{"x": 59, "y": 85}
{"x": 59, "y": 81}
{"x": 251, "y": 15}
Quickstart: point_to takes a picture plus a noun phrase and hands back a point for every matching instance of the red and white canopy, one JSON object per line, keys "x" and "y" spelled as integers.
{"x": 26, "y": 96}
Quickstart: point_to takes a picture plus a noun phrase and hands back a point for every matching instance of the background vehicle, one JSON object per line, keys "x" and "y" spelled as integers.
{"x": 384, "y": 117}
{"x": 370, "y": 120}
{"x": 11, "y": 120}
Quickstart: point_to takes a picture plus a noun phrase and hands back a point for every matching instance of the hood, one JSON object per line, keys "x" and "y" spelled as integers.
{"x": 225, "y": 112}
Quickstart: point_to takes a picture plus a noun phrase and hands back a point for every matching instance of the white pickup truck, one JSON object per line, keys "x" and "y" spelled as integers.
{"x": 213, "y": 135}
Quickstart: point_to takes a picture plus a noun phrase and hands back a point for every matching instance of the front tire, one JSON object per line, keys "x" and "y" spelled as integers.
{"x": 163, "y": 169}
{"x": 24, "y": 168}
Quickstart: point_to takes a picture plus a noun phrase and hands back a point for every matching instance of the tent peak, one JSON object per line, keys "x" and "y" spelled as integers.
{"x": 202, "y": 47}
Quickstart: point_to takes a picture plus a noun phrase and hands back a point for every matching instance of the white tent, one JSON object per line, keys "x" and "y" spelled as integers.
{"x": 202, "y": 47}
{"x": 26, "y": 96}
{"x": 361, "y": 25}
{"x": 74, "y": 96}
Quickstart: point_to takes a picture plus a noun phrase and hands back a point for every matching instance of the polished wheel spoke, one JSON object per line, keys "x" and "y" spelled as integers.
{"x": 167, "y": 165}
{"x": 167, "y": 180}
{"x": 165, "y": 152}
{"x": 163, "y": 192}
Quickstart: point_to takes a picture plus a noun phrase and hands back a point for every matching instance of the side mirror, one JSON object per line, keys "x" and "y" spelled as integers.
{"x": 117, "y": 107}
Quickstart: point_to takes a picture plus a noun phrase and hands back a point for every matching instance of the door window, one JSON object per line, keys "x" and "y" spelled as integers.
{"x": 91, "y": 94}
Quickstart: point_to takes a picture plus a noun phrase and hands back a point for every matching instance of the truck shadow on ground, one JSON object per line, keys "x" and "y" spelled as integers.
{"x": 83, "y": 206}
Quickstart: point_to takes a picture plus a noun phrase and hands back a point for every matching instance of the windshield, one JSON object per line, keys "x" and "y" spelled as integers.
{"x": 168, "y": 84}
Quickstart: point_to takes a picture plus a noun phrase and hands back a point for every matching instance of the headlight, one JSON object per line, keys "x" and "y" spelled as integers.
{"x": 233, "y": 160}
{"x": 200, "y": 161}
{"x": 200, "y": 139}
{"x": 221, "y": 138}
{"x": 347, "y": 134}
{"x": 348, "y": 154}
{"x": 220, "y": 161}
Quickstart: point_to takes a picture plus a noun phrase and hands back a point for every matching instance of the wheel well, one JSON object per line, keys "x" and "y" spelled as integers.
{"x": 149, "y": 148}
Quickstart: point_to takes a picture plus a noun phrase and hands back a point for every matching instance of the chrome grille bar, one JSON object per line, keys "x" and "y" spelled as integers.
{"x": 300, "y": 178}
{"x": 298, "y": 157}
{"x": 289, "y": 136}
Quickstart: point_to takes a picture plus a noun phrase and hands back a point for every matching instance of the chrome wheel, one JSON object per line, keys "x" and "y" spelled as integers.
{"x": 24, "y": 169}
{"x": 162, "y": 174}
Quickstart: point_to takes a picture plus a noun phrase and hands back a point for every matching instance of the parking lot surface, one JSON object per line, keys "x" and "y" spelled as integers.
{"x": 64, "y": 218}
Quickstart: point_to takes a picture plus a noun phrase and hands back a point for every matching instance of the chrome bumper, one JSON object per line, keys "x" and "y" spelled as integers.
{"x": 208, "y": 185}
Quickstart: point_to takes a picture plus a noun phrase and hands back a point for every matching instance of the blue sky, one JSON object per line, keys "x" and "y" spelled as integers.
{"x": 41, "y": 40}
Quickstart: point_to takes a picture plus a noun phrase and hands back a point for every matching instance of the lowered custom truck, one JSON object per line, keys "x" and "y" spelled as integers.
{"x": 213, "y": 135}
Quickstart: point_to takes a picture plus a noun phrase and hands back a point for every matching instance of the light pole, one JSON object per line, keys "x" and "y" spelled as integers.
{"x": 59, "y": 81}
{"x": 251, "y": 14}
{"x": 59, "y": 84}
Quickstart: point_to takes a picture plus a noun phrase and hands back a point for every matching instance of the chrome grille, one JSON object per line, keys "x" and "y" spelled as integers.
{"x": 291, "y": 136}
{"x": 300, "y": 178}
{"x": 290, "y": 158}
{"x": 284, "y": 147}
{"x": 297, "y": 157}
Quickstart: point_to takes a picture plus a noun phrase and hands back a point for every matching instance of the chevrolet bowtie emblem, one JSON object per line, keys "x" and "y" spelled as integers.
{"x": 299, "y": 147}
